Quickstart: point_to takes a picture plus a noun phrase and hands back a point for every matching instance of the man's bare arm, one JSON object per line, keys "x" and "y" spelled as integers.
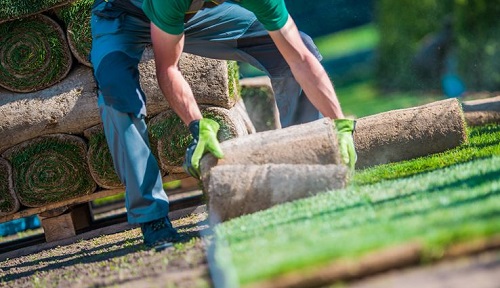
{"x": 168, "y": 49}
{"x": 307, "y": 70}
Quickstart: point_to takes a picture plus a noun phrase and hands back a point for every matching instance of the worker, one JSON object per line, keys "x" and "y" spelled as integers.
{"x": 120, "y": 33}
{"x": 168, "y": 37}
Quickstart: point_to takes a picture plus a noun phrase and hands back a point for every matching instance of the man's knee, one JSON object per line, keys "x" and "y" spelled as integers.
{"x": 117, "y": 77}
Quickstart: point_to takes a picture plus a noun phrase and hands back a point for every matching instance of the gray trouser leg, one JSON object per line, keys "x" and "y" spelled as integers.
{"x": 136, "y": 166}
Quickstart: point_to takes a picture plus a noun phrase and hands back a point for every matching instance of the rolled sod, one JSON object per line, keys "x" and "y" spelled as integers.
{"x": 76, "y": 16}
{"x": 99, "y": 159}
{"x": 172, "y": 137}
{"x": 409, "y": 133}
{"x": 14, "y": 9}
{"x": 310, "y": 143}
{"x": 258, "y": 95}
{"x": 241, "y": 109}
{"x": 482, "y": 111}
{"x": 236, "y": 190}
{"x": 213, "y": 82}
{"x": 8, "y": 200}
{"x": 34, "y": 54}
{"x": 49, "y": 169}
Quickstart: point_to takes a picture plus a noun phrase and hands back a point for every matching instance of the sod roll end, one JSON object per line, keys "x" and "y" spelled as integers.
{"x": 236, "y": 190}
{"x": 8, "y": 199}
{"x": 409, "y": 133}
{"x": 34, "y": 54}
{"x": 99, "y": 159}
{"x": 49, "y": 169}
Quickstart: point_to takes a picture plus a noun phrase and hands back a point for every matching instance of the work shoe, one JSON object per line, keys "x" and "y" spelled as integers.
{"x": 159, "y": 233}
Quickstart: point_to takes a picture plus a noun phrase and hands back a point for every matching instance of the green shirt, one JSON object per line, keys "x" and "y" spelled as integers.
{"x": 168, "y": 15}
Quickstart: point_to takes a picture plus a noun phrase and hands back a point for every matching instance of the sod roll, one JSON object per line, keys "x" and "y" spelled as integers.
{"x": 310, "y": 143}
{"x": 49, "y": 169}
{"x": 482, "y": 111}
{"x": 8, "y": 200}
{"x": 258, "y": 95}
{"x": 14, "y": 9}
{"x": 214, "y": 82}
{"x": 76, "y": 16}
{"x": 172, "y": 137}
{"x": 242, "y": 110}
{"x": 34, "y": 54}
{"x": 70, "y": 106}
{"x": 409, "y": 133}
{"x": 99, "y": 159}
{"x": 236, "y": 190}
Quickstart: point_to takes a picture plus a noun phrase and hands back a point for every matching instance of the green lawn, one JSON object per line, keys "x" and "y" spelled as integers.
{"x": 437, "y": 201}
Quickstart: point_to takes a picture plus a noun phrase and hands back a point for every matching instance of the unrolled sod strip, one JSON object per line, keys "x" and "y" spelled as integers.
{"x": 8, "y": 200}
{"x": 409, "y": 133}
{"x": 99, "y": 159}
{"x": 235, "y": 190}
{"x": 482, "y": 111}
{"x": 311, "y": 143}
{"x": 172, "y": 137}
{"x": 49, "y": 169}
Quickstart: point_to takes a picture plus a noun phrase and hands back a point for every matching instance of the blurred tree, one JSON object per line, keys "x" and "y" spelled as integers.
{"x": 321, "y": 17}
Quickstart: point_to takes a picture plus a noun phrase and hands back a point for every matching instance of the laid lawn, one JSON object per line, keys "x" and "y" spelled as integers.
{"x": 437, "y": 201}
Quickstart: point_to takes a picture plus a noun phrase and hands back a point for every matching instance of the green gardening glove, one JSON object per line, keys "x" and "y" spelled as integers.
{"x": 345, "y": 129}
{"x": 204, "y": 133}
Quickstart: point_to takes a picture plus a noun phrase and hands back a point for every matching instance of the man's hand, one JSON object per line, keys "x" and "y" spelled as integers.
{"x": 345, "y": 129}
{"x": 204, "y": 133}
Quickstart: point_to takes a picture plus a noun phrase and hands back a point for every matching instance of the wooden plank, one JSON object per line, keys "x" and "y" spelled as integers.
{"x": 52, "y": 206}
{"x": 58, "y": 227}
{"x": 66, "y": 225}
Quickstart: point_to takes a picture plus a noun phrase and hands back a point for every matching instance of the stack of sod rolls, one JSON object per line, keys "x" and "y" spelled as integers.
{"x": 50, "y": 125}
{"x": 70, "y": 107}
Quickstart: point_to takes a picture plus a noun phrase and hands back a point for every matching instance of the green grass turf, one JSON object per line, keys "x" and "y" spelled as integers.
{"x": 456, "y": 202}
{"x": 12, "y": 9}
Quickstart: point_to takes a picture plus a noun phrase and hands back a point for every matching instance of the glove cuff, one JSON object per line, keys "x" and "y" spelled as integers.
{"x": 194, "y": 128}
{"x": 345, "y": 125}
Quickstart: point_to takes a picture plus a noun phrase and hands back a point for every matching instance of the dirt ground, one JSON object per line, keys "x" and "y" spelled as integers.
{"x": 115, "y": 260}
{"x": 120, "y": 260}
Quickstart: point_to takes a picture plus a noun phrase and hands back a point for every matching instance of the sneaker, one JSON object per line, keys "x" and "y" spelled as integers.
{"x": 159, "y": 233}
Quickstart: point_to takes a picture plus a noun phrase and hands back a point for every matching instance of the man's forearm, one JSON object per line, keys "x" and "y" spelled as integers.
{"x": 168, "y": 49}
{"x": 178, "y": 94}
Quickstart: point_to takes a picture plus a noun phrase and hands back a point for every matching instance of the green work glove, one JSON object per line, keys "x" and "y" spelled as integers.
{"x": 204, "y": 133}
{"x": 345, "y": 129}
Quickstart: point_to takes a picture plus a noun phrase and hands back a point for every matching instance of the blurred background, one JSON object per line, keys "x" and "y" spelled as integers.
{"x": 391, "y": 54}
